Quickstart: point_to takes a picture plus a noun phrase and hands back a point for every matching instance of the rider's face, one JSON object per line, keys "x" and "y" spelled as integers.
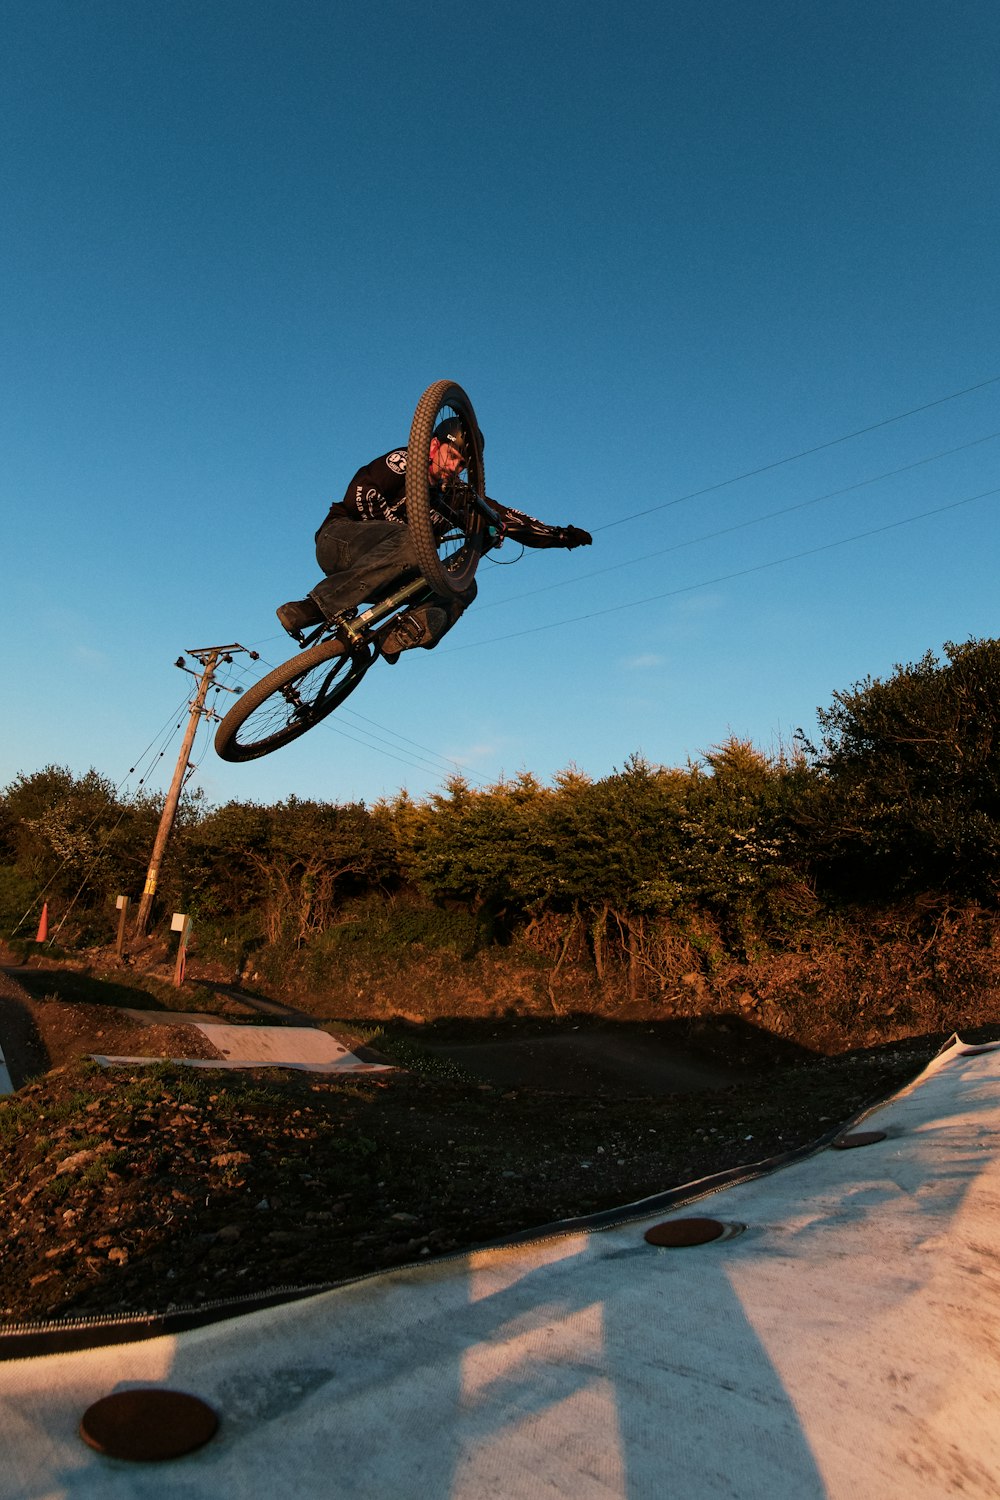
{"x": 445, "y": 461}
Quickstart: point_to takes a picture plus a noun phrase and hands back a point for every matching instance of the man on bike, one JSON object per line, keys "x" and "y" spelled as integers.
{"x": 365, "y": 548}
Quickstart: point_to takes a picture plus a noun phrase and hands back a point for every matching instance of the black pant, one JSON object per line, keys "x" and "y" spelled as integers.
{"x": 363, "y": 559}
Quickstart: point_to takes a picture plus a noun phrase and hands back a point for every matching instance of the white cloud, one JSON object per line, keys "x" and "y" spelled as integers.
{"x": 644, "y": 662}
{"x": 472, "y": 753}
{"x": 89, "y": 657}
{"x": 695, "y": 605}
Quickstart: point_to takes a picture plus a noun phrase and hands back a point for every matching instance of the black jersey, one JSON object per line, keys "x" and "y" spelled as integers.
{"x": 378, "y": 493}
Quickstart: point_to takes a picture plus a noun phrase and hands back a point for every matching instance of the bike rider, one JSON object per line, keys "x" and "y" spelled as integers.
{"x": 365, "y": 547}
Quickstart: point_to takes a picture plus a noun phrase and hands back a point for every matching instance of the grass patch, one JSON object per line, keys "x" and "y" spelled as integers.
{"x": 57, "y": 1189}
{"x": 98, "y": 1171}
{"x": 399, "y": 1047}
{"x": 16, "y": 1116}
{"x": 61, "y": 1109}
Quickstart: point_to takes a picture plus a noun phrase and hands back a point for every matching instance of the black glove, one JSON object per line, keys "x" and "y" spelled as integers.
{"x": 573, "y": 536}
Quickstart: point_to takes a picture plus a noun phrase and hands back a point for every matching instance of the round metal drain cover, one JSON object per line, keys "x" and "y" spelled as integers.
{"x": 148, "y": 1425}
{"x": 858, "y": 1138}
{"x": 678, "y": 1232}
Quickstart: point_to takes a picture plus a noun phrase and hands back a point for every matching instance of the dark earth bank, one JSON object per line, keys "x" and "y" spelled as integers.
{"x": 143, "y": 1189}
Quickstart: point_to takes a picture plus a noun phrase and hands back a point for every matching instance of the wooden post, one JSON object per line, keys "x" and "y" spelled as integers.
{"x": 122, "y": 904}
{"x": 182, "y": 924}
{"x": 174, "y": 795}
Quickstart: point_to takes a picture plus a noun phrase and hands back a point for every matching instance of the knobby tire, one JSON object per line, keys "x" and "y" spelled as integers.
{"x": 290, "y": 700}
{"x": 448, "y": 564}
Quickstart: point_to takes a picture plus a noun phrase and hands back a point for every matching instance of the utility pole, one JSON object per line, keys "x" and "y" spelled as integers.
{"x": 209, "y": 657}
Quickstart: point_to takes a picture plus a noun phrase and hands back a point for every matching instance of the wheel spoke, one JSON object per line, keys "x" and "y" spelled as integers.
{"x": 290, "y": 700}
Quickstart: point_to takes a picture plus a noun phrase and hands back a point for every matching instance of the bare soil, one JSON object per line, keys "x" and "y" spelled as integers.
{"x": 42, "y": 1033}
{"x": 145, "y": 1189}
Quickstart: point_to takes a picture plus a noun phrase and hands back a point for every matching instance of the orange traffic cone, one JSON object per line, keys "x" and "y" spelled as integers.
{"x": 43, "y": 926}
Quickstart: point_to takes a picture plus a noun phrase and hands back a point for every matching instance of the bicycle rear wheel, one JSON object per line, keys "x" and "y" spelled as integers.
{"x": 291, "y": 699}
{"x": 449, "y": 533}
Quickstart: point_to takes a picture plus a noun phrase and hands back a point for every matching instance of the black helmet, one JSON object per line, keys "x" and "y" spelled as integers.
{"x": 454, "y": 431}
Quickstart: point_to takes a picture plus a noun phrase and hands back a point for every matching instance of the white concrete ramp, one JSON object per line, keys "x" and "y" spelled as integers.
{"x": 302, "y": 1047}
{"x": 844, "y": 1344}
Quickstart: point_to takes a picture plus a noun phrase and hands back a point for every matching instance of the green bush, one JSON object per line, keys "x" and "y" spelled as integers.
{"x": 383, "y": 929}
{"x": 911, "y": 779}
{"x": 17, "y": 897}
{"x": 902, "y": 797}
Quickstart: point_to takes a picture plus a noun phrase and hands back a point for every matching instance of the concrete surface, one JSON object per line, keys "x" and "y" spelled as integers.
{"x": 302, "y": 1047}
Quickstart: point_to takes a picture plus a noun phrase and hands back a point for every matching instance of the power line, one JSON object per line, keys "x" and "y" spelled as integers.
{"x": 166, "y": 730}
{"x": 446, "y": 765}
{"x": 390, "y": 754}
{"x": 709, "y": 536}
{"x": 688, "y": 588}
{"x": 806, "y": 453}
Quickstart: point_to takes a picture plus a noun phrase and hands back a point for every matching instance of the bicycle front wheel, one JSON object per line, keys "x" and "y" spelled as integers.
{"x": 291, "y": 699}
{"x": 448, "y": 530}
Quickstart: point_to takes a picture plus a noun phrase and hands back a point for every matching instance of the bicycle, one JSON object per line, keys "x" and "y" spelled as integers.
{"x": 451, "y": 530}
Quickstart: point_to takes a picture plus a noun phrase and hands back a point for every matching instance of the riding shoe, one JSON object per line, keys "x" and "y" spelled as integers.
{"x": 298, "y": 615}
{"x": 420, "y": 628}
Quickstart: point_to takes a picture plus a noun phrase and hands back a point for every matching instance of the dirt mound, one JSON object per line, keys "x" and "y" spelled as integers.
{"x": 40, "y": 1034}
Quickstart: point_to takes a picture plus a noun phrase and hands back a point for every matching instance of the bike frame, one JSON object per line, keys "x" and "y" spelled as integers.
{"x": 359, "y": 629}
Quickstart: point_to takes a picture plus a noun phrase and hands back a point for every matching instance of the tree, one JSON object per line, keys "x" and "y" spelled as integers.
{"x": 61, "y": 831}
{"x": 912, "y": 766}
{"x": 295, "y": 862}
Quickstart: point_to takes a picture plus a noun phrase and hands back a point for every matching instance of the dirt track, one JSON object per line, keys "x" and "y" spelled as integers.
{"x": 588, "y": 1062}
{"x": 36, "y": 1035}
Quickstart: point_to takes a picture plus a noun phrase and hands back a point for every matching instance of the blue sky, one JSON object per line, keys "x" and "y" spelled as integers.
{"x": 662, "y": 246}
